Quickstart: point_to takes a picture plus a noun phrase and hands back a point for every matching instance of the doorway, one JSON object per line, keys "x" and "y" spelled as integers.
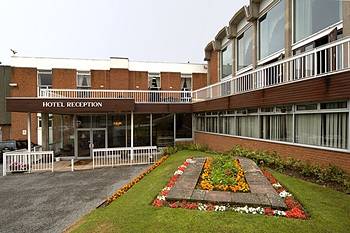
{"x": 89, "y": 139}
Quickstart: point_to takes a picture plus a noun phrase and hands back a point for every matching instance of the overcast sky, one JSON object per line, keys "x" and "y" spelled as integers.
{"x": 142, "y": 30}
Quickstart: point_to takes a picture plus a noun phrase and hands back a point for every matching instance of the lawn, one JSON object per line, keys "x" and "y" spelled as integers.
{"x": 330, "y": 210}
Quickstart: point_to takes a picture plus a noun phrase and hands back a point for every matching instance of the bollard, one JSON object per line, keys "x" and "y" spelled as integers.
{"x": 72, "y": 164}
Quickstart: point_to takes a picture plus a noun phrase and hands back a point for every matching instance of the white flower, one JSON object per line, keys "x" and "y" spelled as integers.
{"x": 202, "y": 207}
{"x": 284, "y": 194}
{"x": 190, "y": 161}
{"x": 277, "y": 185}
{"x": 161, "y": 197}
{"x": 178, "y": 172}
{"x": 279, "y": 213}
{"x": 166, "y": 189}
{"x": 219, "y": 208}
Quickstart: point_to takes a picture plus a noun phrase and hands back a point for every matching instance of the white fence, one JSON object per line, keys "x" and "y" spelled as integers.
{"x": 110, "y": 157}
{"x": 22, "y": 161}
{"x": 138, "y": 95}
{"x": 328, "y": 59}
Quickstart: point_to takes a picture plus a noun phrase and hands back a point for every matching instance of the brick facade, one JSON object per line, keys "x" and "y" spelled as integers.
{"x": 198, "y": 80}
{"x": 64, "y": 78}
{"x": 170, "y": 81}
{"x": 223, "y": 143}
{"x": 213, "y": 67}
{"x": 5, "y": 132}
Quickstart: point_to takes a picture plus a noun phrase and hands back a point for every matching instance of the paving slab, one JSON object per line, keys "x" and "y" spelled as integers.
{"x": 51, "y": 202}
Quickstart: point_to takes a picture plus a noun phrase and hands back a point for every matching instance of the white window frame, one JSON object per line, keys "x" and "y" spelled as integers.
{"x": 247, "y": 68}
{"x": 224, "y": 46}
{"x": 187, "y": 76}
{"x": 38, "y": 80}
{"x": 155, "y": 74}
{"x": 275, "y": 54}
{"x": 83, "y": 72}
{"x": 316, "y": 35}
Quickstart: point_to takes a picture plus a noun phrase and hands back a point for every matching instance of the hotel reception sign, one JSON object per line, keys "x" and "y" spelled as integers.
{"x": 73, "y": 104}
{"x": 68, "y": 106}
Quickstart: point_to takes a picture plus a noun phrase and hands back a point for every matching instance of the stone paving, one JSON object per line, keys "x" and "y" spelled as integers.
{"x": 261, "y": 191}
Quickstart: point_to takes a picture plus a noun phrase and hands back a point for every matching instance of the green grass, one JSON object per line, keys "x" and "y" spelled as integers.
{"x": 329, "y": 209}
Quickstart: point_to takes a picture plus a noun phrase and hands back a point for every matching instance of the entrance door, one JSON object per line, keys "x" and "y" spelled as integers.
{"x": 89, "y": 139}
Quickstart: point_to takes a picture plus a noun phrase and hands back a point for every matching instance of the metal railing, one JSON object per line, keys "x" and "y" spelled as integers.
{"x": 139, "y": 96}
{"x": 324, "y": 60}
{"x": 23, "y": 161}
{"x": 110, "y": 157}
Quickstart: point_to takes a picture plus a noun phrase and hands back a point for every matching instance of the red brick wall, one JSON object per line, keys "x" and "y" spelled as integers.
{"x": 64, "y": 78}
{"x": 170, "y": 79}
{"x": 19, "y": 123}
{"x": 199, "y": 80}
{"x": 138, "y": 79}
{"x": 119, "y": 79}
{"x": 213, "y": 67}
{"x": 26, "y": 79}
{"x": 6, "y": 132}
{"x": 100, "y": 79}
{"x": 317, "y": 156}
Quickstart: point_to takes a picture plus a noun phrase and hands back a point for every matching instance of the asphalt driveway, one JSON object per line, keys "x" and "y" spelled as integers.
{"x": 50, "y": 202}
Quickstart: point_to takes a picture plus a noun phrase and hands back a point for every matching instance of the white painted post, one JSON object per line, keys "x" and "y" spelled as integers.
{"x": 132, "y": 136}
{"x": 29, "y": 127}
{"x": 52, "y": 161}
{"x": 72, "y": 164}
{"x": 93, "y": 159}
{"x": 4, "y": 164}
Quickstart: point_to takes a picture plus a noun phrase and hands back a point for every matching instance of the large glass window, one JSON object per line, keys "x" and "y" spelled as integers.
{"x": 162, "y": 130}
{"x": 277, "y": 127}
{"x": 271, "y": 30}
{"x": 118, "y": 130}
{"x": 322, "y": 129}
{"x": 311, "y": 16}
{"x": 142, "y": 130}
{"x": 248, "y": 126}
{"x": 184, "y": 125}
{"x": 186, "y": 82}
{"x": 244, "y": 49}
{"x": 45, "y": 79}
{"x": 226, "y": 60}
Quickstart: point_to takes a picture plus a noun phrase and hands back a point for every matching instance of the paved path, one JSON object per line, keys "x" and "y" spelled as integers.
{"x": 50, "y": 202}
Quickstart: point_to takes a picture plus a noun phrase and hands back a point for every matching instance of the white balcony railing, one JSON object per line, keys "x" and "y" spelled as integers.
{"x": 331, "y": 58}
{"x": 328, "y": 59}
{"x": 138, "y": 95}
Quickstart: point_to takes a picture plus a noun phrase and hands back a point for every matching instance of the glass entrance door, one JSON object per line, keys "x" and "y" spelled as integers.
{"x": 99, "y": 138}
{"x": 84, "y": 140}
{"x": 89, "y": 139}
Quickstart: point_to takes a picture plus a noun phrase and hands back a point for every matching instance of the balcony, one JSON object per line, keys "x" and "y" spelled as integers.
{"x": 139, "y": 96}
{"x": 326, "y": 60}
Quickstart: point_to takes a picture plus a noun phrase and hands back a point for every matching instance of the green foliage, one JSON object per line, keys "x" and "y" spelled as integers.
{"x": 330, "y": 174}
{"x": 223, "y": 171}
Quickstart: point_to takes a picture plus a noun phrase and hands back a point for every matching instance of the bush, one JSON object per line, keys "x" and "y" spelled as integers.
{"x": 330, "y": 174}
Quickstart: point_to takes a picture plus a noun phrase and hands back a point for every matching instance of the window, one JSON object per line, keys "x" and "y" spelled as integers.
{"x": 334, "y": 105}
{"x": 154, "y": 81}
{"x": 271, "y": 31}
{"x": 311, "y": 16}
{"x": 184, "y": 125}
{"x": 44, "y": 79}
{"x": 118, "y": 126}
{"x": 142, "y": 130}
{"x": 186, "y": 82}
{"x": 277, "y": 127}
{"x": 248, "y": 126}
{"x": 244, "y": 49}
{"x": 162, "y": 130}
{"x": 83, "y": 80}
{"x": 226, "y": 60}
{"x": 322, "y": 129}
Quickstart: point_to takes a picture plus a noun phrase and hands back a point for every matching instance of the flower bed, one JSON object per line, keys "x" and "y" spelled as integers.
{"x": 294, "y": 208}
{"x": 128, "y": 186}
{"x": 223, "y": 174}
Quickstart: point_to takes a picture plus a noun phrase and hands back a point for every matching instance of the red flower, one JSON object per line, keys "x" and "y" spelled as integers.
{"x": 296, "y": 213}
{"x": 173, "y": 205}
{"x": 292, "y": 203}
{"x": 268, "y": 211}
{"x": 158, "y": 203}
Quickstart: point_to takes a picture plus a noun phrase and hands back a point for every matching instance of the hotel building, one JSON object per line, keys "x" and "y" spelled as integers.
{"x": 276, "y": 78}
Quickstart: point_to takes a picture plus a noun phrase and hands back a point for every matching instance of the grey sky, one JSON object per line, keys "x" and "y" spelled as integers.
{"x": 152, "y": 30}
